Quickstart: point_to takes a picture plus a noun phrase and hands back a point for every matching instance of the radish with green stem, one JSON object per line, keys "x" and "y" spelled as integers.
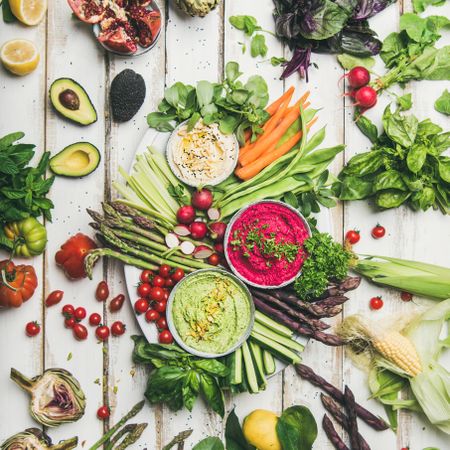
{"x": 202, "y": 199}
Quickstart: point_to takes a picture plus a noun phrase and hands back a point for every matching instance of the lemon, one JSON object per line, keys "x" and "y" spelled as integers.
{"x": 19, "y": 56}
{"x": 259, "y": 429}
{"x": 29, "y": 12}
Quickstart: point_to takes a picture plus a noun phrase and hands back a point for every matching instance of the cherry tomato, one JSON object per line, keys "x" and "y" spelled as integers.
{"x": 177, "y": 275}
{"x": 102, "y": 291}
{"x": 406, "y": 296}
{"x": 70, "y": 322}
{"x": 32, "y": 329}
{"x": 164, "y": 270}
{"x": 161, "y": 323}
{"x": 156, "y": 294}
{"x": 95, "y": 319}
{"x": 214, "y": 259}
{"x": 160, "y": 306}
{"x": 166, "y": 295}
{"x": 141, "y": 305}
{"x": 352, "y": 236}
{"x": 169, "y": 283}
{"x": 68, "y": 311}
{"x": 54, "y": 298}
{"x": 165, "y": 337}
{"x": 376, "y": 303}
{"x": 117, "y": 328}
{"x": 152, "y": 315}
{"x": 158, "y": 281}
{"x": 143, "y": 289}
{"x": 80, "y": 313}
{"x": 102, "y": 333}
{"x": 378, "y": 231}
{"x": 116, "y": 303}
{"x": 146, "y": 276}
{"x": 80, "y": 331}
{"x": 103, "y": 412}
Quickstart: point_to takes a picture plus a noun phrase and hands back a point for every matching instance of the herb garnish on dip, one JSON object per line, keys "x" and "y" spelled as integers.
{"x": 202, "y": 155}
{"x": 264, "y": 243}
{"x": 211, "y": 312}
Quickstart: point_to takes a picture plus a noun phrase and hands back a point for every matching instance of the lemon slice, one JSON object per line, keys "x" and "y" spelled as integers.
{"x": 29, "y": 12}
{"x": 19, "y": 56}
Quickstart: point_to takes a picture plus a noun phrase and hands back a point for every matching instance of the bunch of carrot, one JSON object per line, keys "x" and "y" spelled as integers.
{"x": 271, "y": 144}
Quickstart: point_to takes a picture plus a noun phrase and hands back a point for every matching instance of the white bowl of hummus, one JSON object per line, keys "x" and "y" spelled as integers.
{"x": 203, "y": 155}
{"x": 210, "y": 313}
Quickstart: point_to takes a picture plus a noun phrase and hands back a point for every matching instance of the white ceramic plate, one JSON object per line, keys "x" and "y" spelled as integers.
{"x": 158, "y": 141}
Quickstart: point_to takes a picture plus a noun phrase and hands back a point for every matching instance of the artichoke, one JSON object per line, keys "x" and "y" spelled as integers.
{"x": 197, "y": 7}
{"x": 35, "y": 439}
{"x": 56, "y": 396}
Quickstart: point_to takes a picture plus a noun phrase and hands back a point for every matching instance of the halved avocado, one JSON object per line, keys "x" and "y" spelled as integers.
{"x": 72, "y": 102}
{"x": 76, "y": 160}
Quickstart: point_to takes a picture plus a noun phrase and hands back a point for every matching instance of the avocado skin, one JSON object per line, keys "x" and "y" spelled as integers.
{"x": 85, "y": 101}
{"x": 127, "y": 95}
{"x": 88, "y": 148}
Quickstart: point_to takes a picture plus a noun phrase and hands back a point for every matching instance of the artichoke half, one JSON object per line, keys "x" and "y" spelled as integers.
{"x": 56, "y": 396}
{"x": 35, "y": 439}
{"x": 197, "y": 7}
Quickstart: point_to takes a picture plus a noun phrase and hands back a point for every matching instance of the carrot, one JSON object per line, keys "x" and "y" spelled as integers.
{"x": 273, "y": 107}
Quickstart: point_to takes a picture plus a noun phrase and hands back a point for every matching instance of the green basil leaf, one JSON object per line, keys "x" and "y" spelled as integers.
{"x": 209, "y": 443}
{"x": 442, "y": 104}
{"x": 188, "y": 392}
{"x": 400, "y": 128}
{"x": 297, "y": 428}
{"x": 212, "y": 366}
{"x": 234, "y": 437}
{"x": 444, "y": 168}
{"x": 291, "y": 199}
{"x": 354, "y": 188}
{"x": 424, "y": 199}
{"x": 368, "y": 128}
{"x": 416, "y": 157}
{"x": 390, "y": 179}
{"x": 393, "y": 48}
{"x": 405, "y": 102}
{"x": 258, "y": 46}
{"x": 427, "y": 128}
{"x": 391, "y": 198}
{"x": 364, "y": 163}
{"x": 441, "y": 142}
{"x": 211, "y": 392}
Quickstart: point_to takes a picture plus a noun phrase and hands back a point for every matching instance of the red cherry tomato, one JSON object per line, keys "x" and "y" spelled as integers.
{"x": 117, "y": 328}
{"x": 161, "y": 323}
{"x": 143, "y": 289}
{"x": 116, "y": 303}
{"x": 141, "y": 305}
{"x": 102, "y": 333}
{"x": 352, "y": 236}
{"x": 177, "y": 275}
{"x": 406, "y": 296}
{"x": 80, "y": 313}
{"x": 214, "y": 259}
{"x": 103, "y": 412}
{"x": 152, "y": 315}
{"x": 102, "y": 291}
{"x": 169, "y": 283}
{"x": 160, "y": 306}
{"x": 158, "y": 281}
{"x": 54, "y": 298}
{"x": 156, "y": 294}
{"x": 95, "y": 319}
{"x": 165, "y": 337}
{"x": 80, "y": 331}
{"x": 164, "y": 270}
{"x": 378, "y": 231}
{"x": 146, "y": 276}
{"x": 32, "y": 329}
{"x": 376, "y": 303}
{"x": 68, "y": 311}
{"x": 70, "y": 322}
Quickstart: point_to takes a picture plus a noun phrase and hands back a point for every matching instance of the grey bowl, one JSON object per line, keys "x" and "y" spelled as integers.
{"x": 174, "y": 331}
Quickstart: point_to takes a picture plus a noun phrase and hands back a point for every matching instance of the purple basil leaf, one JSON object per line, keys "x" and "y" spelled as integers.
{"x": 369, "y": 8}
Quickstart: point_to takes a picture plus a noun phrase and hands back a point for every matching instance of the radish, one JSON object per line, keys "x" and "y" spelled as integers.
{"x": 202, "y": 199}
{"x": 172, "y": 240}
{"x": 186, "y": 214}
{"x": 217, "y": 231}
{"x": 202, "y": 252}
{"x": 213, "y": 214}
{"x": 181, "y": 230}
{"x": 218, "y": 247}
{"x": 187, "y": 247}
{"x": 198, "y": 229}
{"x": 366, "y": 97}
{"x": 357, "y": 77}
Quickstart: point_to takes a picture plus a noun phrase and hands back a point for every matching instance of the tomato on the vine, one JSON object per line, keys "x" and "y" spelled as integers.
{"x": 102, "y": 333}
{"x": 177, "y": 275}
{"x": 146, "y": 276}
{"x": 141, "y": 305}
{"x": 152, "y": 315}
{"x": 160, "y": 306}
{"x": 165, "y": 337}
{"x": 118, "y": 328}
{"x": 80, "y": 313}
{"x": 80, "y": 331}
{"x": 376, "y": 303}
{"x": 143, "y": 289}
{"x": 95, "y": 319}
{"x": 156, "y": 294}
{"x": 406, "y": 296}
{"x": 164, "y": 270}
{"x": 378, "y": 231}
{"x": 103, "y": 412}
{"x": 70, "y": 322}
{"x": 102, "y": 291}
{"x": 32, "y": 329}
{"x": 214, "y": 259}
{"x": 158, "y": 281}
{"x": 116, "y": 303}
{"x": 54, "y": 298}
{"x": 352, "y": 236}
{"x": 68, "y": 311}
{"x": 169, "y": 283}
{"x": 161, "y": 323}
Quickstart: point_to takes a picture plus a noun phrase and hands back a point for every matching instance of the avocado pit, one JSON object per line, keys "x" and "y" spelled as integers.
{"x": 69, "y": 99}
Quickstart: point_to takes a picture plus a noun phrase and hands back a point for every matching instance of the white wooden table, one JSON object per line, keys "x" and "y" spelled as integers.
{"x": 188, "y": 50}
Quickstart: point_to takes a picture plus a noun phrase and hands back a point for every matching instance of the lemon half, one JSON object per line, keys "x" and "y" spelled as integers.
{"x": 29, "y": 12}
{"x": 19, "y": 56}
